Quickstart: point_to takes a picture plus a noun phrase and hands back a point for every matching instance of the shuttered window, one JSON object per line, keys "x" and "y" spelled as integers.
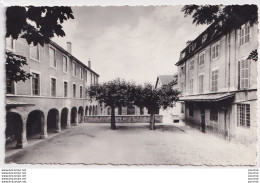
{"x": 244, "y": 34}
{"x": 244, "y": 74}
{"x": 201, "y": 81}
{"x": 214, "y": 80}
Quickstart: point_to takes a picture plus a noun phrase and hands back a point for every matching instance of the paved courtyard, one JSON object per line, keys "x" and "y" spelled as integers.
{"x": 135, "y": 144}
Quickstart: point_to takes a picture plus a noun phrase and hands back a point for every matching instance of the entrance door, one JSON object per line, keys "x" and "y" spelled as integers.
{"x": 203, "y": 123}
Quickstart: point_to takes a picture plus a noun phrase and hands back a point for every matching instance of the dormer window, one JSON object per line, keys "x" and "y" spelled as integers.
{"x": 204, "y": 38}
{"x": 192, "y": 47}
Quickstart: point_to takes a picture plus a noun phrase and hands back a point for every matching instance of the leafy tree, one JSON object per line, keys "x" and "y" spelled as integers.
{"x": 154, "y": 99}
{"x": 37, "y": 25}
{"x": 115, "y": 93}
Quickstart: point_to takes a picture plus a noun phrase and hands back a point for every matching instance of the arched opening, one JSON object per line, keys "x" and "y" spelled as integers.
{"x": 52, "y": 120}
{"x": 130, "y": 110}
{"x": 34, "y": 124}
{"x": 108, "y": 111}
{"x": 90, "y": 110}
{"x": 141, "y": 111}
{"x": 120, "y": 110}
{"x": 101, "y": 111}
{"x": 64, "y": 118}
{"x": 86, "y": 111}
{"x": 80, "y": 114}
{"x": 14, "y": 124}
{"x": 73, "y": 115}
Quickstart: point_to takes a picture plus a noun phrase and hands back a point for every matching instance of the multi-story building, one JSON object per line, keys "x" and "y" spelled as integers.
{"x": 219, "y": 82}
{"x": 54, "y": 98}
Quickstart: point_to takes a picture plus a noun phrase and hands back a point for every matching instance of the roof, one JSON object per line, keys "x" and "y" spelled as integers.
{"x": 165, "y": 79}
{"x": 12, "y": 103}
{"x": 207, "y": 97}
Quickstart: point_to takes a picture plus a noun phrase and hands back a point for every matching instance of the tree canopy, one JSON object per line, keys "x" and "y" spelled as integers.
{"x": 37, "y": 25}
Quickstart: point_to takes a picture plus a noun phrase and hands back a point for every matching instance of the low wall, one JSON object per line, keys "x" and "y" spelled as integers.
{"x": 122, "y": 119}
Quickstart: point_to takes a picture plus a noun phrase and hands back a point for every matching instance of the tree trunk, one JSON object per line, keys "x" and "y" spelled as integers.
{"x": 113, "y": 119}
{"x": 152, "y": 121}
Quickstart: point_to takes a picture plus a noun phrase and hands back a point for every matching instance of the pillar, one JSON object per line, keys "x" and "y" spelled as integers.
{"x": 58, "y": 122}
{"x": 69, "y": 119}
{"x": 44, "y": 133}
{"x": 22, "y": 139}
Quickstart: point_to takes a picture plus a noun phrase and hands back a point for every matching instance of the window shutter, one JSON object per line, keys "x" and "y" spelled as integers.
{"x": 239, "y": 74}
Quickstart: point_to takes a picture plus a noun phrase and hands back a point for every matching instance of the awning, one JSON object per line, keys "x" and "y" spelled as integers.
{"x": 12, "y": 104}
{"x": 216, "y": 97}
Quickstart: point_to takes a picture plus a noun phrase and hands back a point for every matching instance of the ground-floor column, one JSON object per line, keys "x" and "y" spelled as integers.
{"x": 69, "y": 119}
{"x": 44, "y": 133}
{"x": 21, "y": 135}
{"x": 58, "y": 122}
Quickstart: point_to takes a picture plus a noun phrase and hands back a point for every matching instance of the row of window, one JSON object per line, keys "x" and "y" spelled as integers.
{"x": 243, "y": 114}
{"x": 35, "y": 55}
{"x": 244, "y": 73}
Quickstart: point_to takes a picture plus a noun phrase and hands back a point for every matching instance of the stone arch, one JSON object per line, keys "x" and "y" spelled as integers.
{"x": 35, "y": 124}
{"x": 53, "y": 120}
{"x": 14, "y": 124}
{"x": 86, "y": 111}
{"x": 74, "y": 116}
{"x": 131, "y": 110}
{"x": 80, "y": 114}
{"x": 90, "y": 110}
{"x": 64, "y": 117}
{"x": 93, "y": 110}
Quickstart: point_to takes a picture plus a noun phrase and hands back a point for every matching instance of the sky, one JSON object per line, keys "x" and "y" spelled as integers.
{"x": 135, "y": 43}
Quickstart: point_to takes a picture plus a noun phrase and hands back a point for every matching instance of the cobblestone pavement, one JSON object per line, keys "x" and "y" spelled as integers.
{"x": 135, "y": 144}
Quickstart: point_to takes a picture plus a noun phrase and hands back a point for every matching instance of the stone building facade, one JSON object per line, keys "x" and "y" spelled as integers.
{"x": 54, "y": 98}
{"x": 219, "y": 83}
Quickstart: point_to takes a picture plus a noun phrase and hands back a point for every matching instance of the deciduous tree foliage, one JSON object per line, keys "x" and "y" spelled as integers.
{"x": 37, "y": 25}
{"x": 115, "y": 93}
{"x": 153, "y": 99}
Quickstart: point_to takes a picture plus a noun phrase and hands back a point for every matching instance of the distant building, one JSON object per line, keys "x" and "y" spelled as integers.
{"x": 169, "y": 114}
{"x": 54, "y": 98}
{"x": 219, "y": 83}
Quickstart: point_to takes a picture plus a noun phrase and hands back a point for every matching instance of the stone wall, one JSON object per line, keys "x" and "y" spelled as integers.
{"x": 123, "y": 119}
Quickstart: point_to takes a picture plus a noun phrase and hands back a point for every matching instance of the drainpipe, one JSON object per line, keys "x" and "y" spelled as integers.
{"x": 229, "y": 61}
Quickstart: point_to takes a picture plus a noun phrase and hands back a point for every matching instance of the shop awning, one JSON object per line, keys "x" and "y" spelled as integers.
{"x": 12, "y": 104}
{"x": 216, "y": 97}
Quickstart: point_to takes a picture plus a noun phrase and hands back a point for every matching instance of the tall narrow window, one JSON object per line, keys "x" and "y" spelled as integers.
{"x": 214, "y": 80}
{"x": 80, "y": 73}
{"x": 35, "y": 52}
{"x": 53, "y": 87}
{"x": 215, "y": 51}
{"x": 9, "y": 86}
{"x": 244, "y": 74}
{"x": 191, "y": 86}
{"x": 201, "y": 82}
{"x": 65, "y": 64}
{"x": 243, "y": 115}
{"x": 191, "y": 64}
{"x": 73, "y": 68}
{"x": 244, "y": 34}
{"x": 182, "y": 108}
{"x": 35, "y": 84}
{"x": 81, "y": 91}
{"x": 52, "y": 58}
{"x": 74, "y": 90}
{"x": 86, "y": 76}
{"x": 65, "y": 89}
{"x": 201, "y": 58}
{"x": 91, "y": 77}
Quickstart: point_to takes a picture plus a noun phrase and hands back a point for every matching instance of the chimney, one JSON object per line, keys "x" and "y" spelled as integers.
{"x": 69, "y": 47}
{"x": 89, "y": 63}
